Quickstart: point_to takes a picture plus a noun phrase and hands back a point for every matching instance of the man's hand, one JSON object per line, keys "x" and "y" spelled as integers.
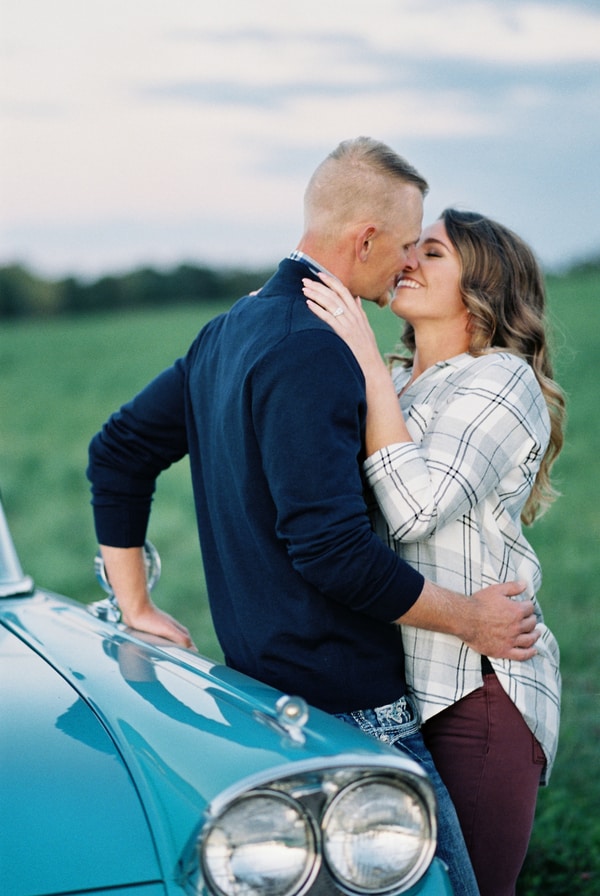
{"x": 501, "y": 627}
{"x": 126, "y": 572}
{"x": 488, "y": 621}
{"x": 156, "y": 622}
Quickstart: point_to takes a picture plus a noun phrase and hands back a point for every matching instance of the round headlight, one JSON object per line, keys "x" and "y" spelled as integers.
{"x": 377, "y": 836}
{"x": 261, "y": 843}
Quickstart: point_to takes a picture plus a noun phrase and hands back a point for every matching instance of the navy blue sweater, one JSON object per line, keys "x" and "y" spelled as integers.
{"x": 270, "y": 406}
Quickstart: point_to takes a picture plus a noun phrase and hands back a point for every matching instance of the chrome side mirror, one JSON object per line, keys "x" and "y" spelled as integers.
{"x": 108, "y": 609}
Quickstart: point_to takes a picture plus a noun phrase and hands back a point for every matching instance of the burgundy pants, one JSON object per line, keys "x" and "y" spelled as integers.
{"x": 491, "y": 763}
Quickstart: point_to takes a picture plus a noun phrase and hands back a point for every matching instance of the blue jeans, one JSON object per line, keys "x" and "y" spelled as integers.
{"x": 398, "y": 725}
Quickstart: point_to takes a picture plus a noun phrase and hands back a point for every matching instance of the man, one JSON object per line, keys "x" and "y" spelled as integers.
{"x": 270, "y": 406}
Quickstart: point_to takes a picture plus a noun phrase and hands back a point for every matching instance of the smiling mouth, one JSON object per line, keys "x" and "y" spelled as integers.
{"x": 399, "y": 282}
{"x": 403, "y": 282}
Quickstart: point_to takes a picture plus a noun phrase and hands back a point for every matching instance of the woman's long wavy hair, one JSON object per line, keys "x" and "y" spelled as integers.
{"x": 503, "y": 289}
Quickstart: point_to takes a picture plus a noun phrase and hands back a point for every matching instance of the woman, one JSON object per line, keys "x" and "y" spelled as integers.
{"x": 483, "y": 426}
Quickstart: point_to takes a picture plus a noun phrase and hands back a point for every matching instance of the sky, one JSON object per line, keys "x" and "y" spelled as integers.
{"x": 159, "y": 132}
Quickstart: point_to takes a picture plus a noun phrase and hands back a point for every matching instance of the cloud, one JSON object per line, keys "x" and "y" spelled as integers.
{"x": 197, "y": 124}
{"x": 511, "y": 32}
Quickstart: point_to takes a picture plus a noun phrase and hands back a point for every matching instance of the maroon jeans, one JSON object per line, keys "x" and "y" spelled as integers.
{"x": 491, "y": 764}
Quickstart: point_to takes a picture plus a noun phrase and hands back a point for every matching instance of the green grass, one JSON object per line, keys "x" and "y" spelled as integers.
{"x": 61, "y": 378}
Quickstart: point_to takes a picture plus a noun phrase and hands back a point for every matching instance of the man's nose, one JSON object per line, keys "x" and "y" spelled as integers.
{"x": 412, "y": 262}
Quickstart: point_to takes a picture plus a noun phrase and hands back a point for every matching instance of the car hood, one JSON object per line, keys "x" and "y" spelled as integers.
{"x": 70, "y": 811}
{"x": 143, "y": 735}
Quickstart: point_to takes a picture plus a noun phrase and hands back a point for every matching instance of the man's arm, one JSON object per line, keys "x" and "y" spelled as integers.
{"x": 488, "y": 621}
{"x": 134, "y": 446}
{"x": 126, "y": 573}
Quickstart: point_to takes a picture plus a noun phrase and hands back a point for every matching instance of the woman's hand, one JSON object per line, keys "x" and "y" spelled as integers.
{"x": 334, "y": 304}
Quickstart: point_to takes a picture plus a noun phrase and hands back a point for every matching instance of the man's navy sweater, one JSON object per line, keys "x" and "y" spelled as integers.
{"x": 270, "y": 406}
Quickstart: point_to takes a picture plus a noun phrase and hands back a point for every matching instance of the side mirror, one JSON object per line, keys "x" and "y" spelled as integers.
{"x": 108, "y": 609}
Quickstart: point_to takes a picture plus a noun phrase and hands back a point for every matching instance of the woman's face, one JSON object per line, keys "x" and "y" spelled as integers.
{"x": 429, "y": 291}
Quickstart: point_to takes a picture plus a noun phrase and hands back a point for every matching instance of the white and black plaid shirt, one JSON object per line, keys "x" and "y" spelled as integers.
{"x": 452, "y": 502}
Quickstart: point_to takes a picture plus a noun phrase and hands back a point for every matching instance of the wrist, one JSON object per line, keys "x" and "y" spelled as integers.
{"x": 442, "y": 610}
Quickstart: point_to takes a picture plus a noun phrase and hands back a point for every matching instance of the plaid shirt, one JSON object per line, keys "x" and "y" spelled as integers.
{"x": 450, "y": 505}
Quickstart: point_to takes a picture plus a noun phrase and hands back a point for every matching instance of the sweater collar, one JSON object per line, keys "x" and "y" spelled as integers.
{"x": 310, "y": 263}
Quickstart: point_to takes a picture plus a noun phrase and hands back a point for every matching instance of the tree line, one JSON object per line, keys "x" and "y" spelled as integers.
{"x": 24, "y": 294}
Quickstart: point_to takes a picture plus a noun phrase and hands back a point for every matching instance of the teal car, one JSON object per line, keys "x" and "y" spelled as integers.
{"x": 132, "y": 767}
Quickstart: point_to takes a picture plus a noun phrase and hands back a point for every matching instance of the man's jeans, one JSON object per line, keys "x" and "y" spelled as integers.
{"x": 398, "y": 725}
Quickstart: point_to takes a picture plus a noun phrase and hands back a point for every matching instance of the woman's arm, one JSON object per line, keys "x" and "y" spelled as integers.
{"x": 487, "y": 435}
{"x": 493, "y": 428}
{"x": 385, "y": 423}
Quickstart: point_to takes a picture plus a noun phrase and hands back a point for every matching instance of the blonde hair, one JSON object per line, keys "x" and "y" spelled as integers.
{"x": 503, "y": 290}
{"x": 354, "y": 181}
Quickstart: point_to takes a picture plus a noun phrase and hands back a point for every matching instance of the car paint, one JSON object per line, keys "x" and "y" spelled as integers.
{"x": 113, "y": 744}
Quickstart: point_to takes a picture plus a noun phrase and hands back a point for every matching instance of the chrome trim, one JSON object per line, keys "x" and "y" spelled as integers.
{"x": 323, "y": 780}
{"x": 13, "y": 582}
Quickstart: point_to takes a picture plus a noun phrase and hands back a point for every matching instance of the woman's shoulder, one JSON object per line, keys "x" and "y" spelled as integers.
{"x": 400, "y": 375}
{"x": 494, "y": 370}
{"x": 500, "y": 372}
{"x": 499, "y": 362}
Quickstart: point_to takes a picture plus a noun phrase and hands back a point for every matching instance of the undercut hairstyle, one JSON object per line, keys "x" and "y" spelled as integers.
{"x": 503, "y": 289}
{"x": 354, "y": 182}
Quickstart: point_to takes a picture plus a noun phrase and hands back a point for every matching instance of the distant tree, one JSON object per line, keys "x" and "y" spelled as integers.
{"x": 69, "y": 294}
{"x": 589, "y": 266}
{"x": 142, "y": 287}
{"x": 13, "y": 292}
{"x": 102, "y": 295}
{"x": 188, "y": 283}
{"x": 22, "y": 293}
{"x": 241, "y": 282}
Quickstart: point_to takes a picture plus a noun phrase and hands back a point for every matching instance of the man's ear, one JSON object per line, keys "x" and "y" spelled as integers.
{"x": 364, "y": 242}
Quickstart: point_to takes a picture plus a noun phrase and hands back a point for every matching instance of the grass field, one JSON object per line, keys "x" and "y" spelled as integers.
{"x": 61, "y": 378}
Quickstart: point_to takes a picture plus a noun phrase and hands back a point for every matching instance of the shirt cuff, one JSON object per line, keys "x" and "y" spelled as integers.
{"x": 387, "y": 460}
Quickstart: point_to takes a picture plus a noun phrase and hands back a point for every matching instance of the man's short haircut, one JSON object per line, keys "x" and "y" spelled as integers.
{"x": 365, "y": 152}
{"x": 354, "y": 180}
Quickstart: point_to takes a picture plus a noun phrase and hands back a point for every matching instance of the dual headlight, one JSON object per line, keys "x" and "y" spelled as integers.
{"x": 368, "y": 834}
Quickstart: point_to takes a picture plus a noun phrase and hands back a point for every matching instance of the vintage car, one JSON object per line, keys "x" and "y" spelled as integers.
{"x": 131, "y": 766}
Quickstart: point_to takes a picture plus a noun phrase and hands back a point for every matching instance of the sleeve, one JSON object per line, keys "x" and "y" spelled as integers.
{"x": 490, "y": 436}
{"x": 134, "y": 446}
{"x": 309, "y": 413}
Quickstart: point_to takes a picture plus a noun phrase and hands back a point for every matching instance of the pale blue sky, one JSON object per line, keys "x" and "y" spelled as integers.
{"x": 156, "y": 132}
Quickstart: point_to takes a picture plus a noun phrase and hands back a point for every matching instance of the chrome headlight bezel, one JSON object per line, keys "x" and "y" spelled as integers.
{"x": 316, "y": 788}
{"x": 357, "y": 845}
{"x": 270, "y": 842}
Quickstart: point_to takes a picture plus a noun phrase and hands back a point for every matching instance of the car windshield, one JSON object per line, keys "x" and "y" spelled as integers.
{"x": 12, "y": 580}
